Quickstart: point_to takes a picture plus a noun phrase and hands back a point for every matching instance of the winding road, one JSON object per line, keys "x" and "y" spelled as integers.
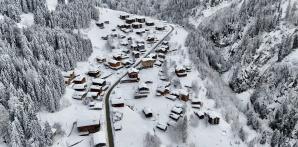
{"x": 109, "y": 122}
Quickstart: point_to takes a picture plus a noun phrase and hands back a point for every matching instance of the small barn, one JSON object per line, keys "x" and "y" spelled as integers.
{"x": 133, "y": 73}
{"x": 141, "y": 19}
{"x": 124, "y": 16}
{"x": 119, "y": 102}
{"x": 90, "y": 126}
{"x": 180, "y": 71}
{"x": 183, "y": 95}
{"x": 68, "y": 76}
{"x": 137, "y": 25}
{"x": 93, "y": 72}
{"x": 149, "y": 23}
{"x": 147, "y": 62}
{"x": 147, "y": 112}
{"x": 93, "y": 95}
{"x": 98, "y": 139}
{"x": 174, "y": 116}
{"x": 79, "y": 79}
{"x": 200, "y": 114}
{"x": 99, "y": 82}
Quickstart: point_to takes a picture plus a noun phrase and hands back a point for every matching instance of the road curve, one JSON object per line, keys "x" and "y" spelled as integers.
{"x": 109, "y": 128}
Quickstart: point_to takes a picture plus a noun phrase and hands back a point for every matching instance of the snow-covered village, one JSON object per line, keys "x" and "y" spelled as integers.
{"x": 172, "y": 73}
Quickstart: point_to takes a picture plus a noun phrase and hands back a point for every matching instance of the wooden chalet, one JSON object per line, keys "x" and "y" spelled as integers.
{"x": 79, "y": 95}
{"x": 124, "y": 16}
{"x": 152, "y": 55}
{"x": 200, "y": 114}
{"x": 79, "y": 87}
{"x": 107, "y": 22}
{"x": 100, "y": 59}
{"x": 133, "y": 73}
{"x": 180, "y": 71}
{"x": 149, "y": 23}
{"x": 95, "y": 88}
{"x": 147, "y": 62}
{"x": 141, "y": 19}
{"x": 183, "y": 95}
{"x": 177, "y": 110}
{"x": 174, "y": 116}
{"x": 124, "y": 26}
{"x": 117, "y": 102}
{"x": 143, "y": 88}
{"x": 114, "y": 64}
{"x": 150, "y": 39}
{"x": 100, "y": 24}
{"x": 162, "y": 50}
{"x": 137, "y": 25}
{"x": 162, "y": 91}
{"x": 94, "y": 73}
{"x": 130, "y": 20}
{"x": 93, "y": 95}
{"x": 212, "y": 118}
{"x": 98, "y": 139}
{"x": 161, "y": 55}
{"x": 165, "y": 43}
{"x": 162, "y": 126}
{"x": 90, "y": 126}
{"x": 147, "y": 112}
{"x": 160, "y": 28}
{"x": 140, "y": 32}
{"x": 99, "y": 82}
{"x": 68, "y": 76}
{"x": 136, "y": 54}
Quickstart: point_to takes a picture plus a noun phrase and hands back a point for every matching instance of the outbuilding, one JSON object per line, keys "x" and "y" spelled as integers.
{"x": 79, "y": 87}
{"x": 93, "y": 72}
{"x": 183, "y": 95}
{"x": 99, "y": 82}
{"x": 141, "y": 19}
{"x": 180, "y": 71}
{"x": 124, "y": 16}
{"x": 89, "y": 125}
{"x": 114, "y": 64}
{"x": 133, "y": 73}
{"x": 162, "y": 126}
{"x": 79, "y": 79}
{"x": 118, "y": 102}
{"x": 130, "y": 20}
{"x": 137, "y": 25}
{"x": 149, "y": 23}
{"x": 147, "y": 112}
{"x": 212, "y": 118}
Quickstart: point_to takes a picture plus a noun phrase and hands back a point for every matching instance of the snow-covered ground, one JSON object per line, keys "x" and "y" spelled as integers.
{"x": 73, "y": 110}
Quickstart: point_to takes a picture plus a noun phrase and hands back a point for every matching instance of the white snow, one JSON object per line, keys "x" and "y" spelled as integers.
{"x": 52, "y": 4}
{"x": 26, "y": 20}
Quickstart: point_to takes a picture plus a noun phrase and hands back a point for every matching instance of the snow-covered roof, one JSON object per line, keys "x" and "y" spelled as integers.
{"x": 147, "y": 59}
{"x": 79, "y": 78}
{"x": 180, "y": 67}
{"x": 199, "y": 113}
{"x": 131, "y": 70}
{"x": 177, "y": 110}
{"x": 161, "y": 125}
{"x": 78, "y": 94}
{"x": 95, "y": 87}
{"x": 98, "y": 81}
{"x": 174, "y": 116}
{"x": 179, "y": 105}
{"x": 100, "y": 57}
{"x": 67, "y": 73}
{"x": 118, "y": 101}
{"x": 212, "y": 114}
{"x": 99, "y": 138}
{"x": 183, "y": 92}
{"x": 117, "y": 126}
{"x": 92, "y": 94}
{"x": 171, "y": 97}
{"x": 79, "y": 86}
{"x": 87, "y": 122}
{"x": 143, "y": 85}
{"x": 147, "y": 110}
{"x": 113, "y": 61}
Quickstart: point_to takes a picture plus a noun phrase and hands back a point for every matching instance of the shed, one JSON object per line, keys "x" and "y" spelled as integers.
{"x": 99, "y": 139}
{"x": 160, "y": 28}
{"x": 100, "y": 59}
{"x": 162, "y": 126}
{"x": 114, "y": 64}
{"x": 200, "y": 114}
{"x": 143, "y": 88}
{"x": 137, "y": 25}
{"x": 147, "y": 112}
{"x": 68, "y": 76}
{"x": 79, "y": 79}
{"x": 174, "y": 116}
{"x": 95, "y": 88}
{"x": 89, "y": 125}
{"x": 117, "y": 102}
